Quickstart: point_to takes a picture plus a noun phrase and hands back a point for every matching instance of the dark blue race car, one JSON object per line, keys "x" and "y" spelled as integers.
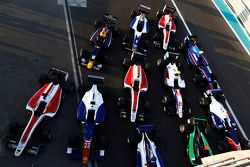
{"x": 101, "y": 40}
{"x": 147, "y": 152}
{"x": 195, "y": 57}
{"x": 90, "y": 112}
{"x": 222, "y": 119}
{"x": 138, "y": 26}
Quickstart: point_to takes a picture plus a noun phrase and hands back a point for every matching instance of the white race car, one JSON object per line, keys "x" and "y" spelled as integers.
{"x": 44, "y": 103}
{"x": 222, "y": 119}
{"x": 147, "y": 152}
{"x": 172, "y": 78}
{"x": 139, "y": 26}
{"x": 135, "y": 82}
{"x": 166, "y": 28}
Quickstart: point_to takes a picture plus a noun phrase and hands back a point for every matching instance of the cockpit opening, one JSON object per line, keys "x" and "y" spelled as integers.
{"x": 136, "y": 86}
{"x": 40, "y": 108}
{"x": 90, "y": 116}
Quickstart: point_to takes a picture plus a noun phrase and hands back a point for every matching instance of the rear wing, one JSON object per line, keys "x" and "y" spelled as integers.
{"x": 213, "y": 91}
{"x": 93, "y": 79}
{"x": 145, "y": 128}
{"x": 144, "y": 9}
{"x": 109, "y": 18}
{"x": 171, "y": 55}
{"x": 57, "y": 72}
{"x": 169, "y": 9}
{"x": 196, "y": 121}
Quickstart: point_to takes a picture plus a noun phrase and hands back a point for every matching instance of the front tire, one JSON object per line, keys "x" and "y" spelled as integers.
{"x": 97, "y": 24}
{"x": 43, "y": 79}
{"x": 204, "y": 101}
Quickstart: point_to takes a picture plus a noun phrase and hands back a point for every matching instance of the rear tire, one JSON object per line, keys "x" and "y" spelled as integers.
{"x": 121, "y": 102}
{"x": 43, "y": 79}
{"x": 46, "y": 135}
{"x": 126, "y": 62}
{"x": 160, "y": 63}
{"x": 157, "y": 36}
{"x": 222, "y": 146}
{"x": 133, "y": 14}
{"x": 82, "y": 89}
{"x": 84, "y": 53}
{"x": 158, "y": 14}
{"x": 14, "y": 127}
{"x": 68, "y": 87}
{"x": 204, "y": 101}
{"x": 97, "y": 24}
{"x": 147, "y": 66}
{"x": 184, "y": 128}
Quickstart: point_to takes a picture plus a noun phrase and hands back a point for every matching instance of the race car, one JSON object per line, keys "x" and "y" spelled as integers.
{"x": 204, "y": 77}
{"x": 101, "y": 40}
{"x": 222, "y": 119}
{"x": 90, "y": 112}
{"x": 166, "y": 28}
{"x": 147, "y": 153}
{"x": 172, "y": 79}
{"x": 135, "y": 82}
{"x": 44, "y": 103}
{"x": 138, "y": 26}
{"x": 197, "y": 145}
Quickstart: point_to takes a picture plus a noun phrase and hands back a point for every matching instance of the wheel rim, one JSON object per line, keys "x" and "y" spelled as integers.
{"x": 182, "y": 128}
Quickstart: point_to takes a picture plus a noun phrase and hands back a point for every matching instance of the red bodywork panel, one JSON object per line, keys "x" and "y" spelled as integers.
{"x": 29, "y": 127}
{"x": 129, "y": 80}
{"x": 86, "y": 152}
{"x": 165, "y": 19}
{"x": 53, "y": 103}
{"x": 51, "y": 107}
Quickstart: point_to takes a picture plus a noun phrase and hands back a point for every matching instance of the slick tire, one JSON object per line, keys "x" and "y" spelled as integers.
{"x": 183, "y": 128}
{"x": 160, "y": 63}
{"x": 68, "y": 87}
{"x": 147, "y": 66}
{"x": 82, "y": 89}
{"x": 158, "y": 14}
{"x": 43, "y": 79}
{"x": 14, "y": 128}
{"x": 46, "y": 135}
{"x": 121, "y": 102}
{"x": 222, "y": 146}
{"x": 84, "y": 53}
{"x": 133, "y": 14}
{"x": 97, "y": 24}
{"x": 204, "y": 101}
{"x": 126, "y": 62}
{"x": 157, "y": 36}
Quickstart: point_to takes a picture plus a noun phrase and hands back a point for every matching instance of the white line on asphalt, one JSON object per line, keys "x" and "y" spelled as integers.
{"x": 74, "y": 40}
{"x": 180, "y": 15}
{"x": 228, "y": 105}
{"x": 72, "y": 51}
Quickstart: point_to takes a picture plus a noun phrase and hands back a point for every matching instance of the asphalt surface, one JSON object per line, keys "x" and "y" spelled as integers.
{"x": 34, "y": 38}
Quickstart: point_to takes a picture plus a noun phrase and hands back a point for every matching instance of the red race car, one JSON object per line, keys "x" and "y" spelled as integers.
{"x": 44, "y": 103}
{"x": 165, "y": 38}
{"x": 135, "y": 82}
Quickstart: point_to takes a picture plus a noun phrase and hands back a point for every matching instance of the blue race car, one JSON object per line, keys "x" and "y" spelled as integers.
{"x": 90, "y": 112}
{"x": 101, "y": 40}
{"x": 195, "y": 57}
{"x": 138, "y": 26}
{"x": 221, "y": 118}
{"x": 147, "y": 153}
